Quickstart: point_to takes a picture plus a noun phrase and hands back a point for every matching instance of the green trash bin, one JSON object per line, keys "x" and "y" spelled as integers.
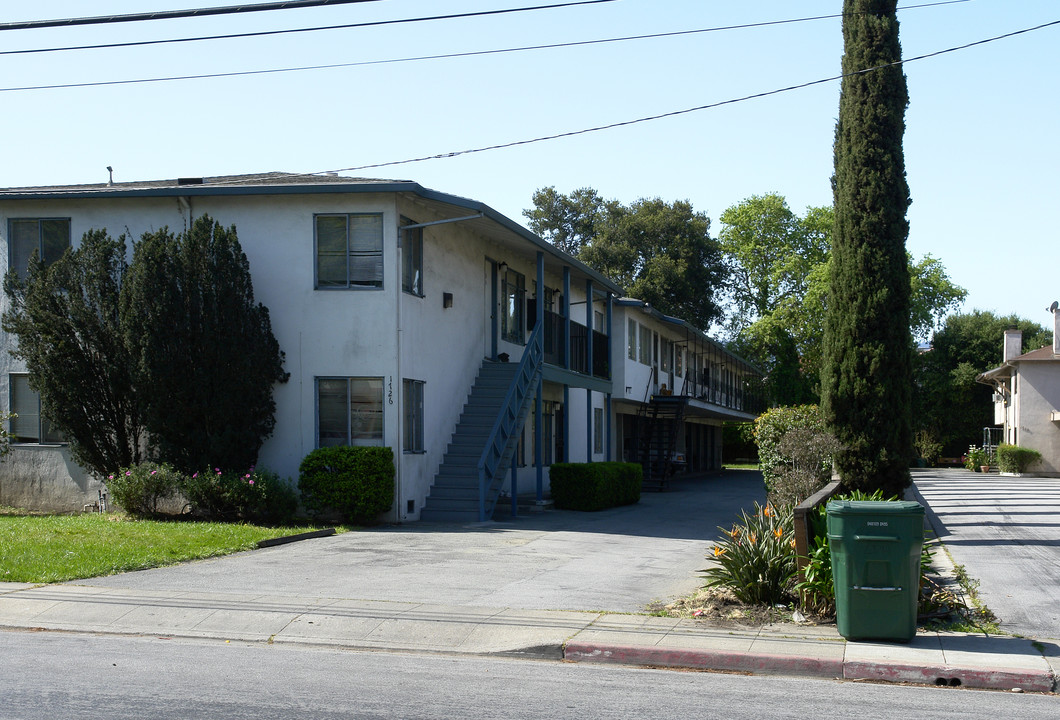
{"x": 876, "y": 567}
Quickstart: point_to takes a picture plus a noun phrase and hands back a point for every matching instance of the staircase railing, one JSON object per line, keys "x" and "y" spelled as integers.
{"x": 510, "y": 419}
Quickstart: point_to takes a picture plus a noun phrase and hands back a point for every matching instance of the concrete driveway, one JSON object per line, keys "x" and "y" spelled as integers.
{"x": 1006, "y": 532}
{"x": 617, "y": 560}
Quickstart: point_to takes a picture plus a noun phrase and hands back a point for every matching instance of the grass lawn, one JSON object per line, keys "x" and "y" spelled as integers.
{"x": 740, "y": 466}
{"x": 57, "y": 548}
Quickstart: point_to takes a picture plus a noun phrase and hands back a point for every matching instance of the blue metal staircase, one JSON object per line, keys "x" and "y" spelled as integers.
{"x": 486, "y": 436}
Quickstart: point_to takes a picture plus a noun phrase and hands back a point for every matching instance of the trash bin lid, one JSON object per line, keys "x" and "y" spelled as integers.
{"x": 874, "y": 507}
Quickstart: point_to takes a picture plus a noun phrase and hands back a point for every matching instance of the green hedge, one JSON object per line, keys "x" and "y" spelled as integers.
{"x": 1016, "y": 459}
{"x": 595, "y": 486}
{"x": 355, "y": 482}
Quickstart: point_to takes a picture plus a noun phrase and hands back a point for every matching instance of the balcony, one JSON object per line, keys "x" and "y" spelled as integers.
{"x": 579, "y": 346}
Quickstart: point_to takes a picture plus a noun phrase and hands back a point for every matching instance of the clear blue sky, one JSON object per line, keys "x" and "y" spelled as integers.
{"x": 981, "y": 149}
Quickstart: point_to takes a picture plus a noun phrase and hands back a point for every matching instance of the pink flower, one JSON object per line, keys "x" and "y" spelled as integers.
{"x": 247, "y": 476}
{"x": 128, "y": 473}
{"x": 251, "y": 482}
{"x": 195, "y": 476}
{"x": 110, "y": 477}
{"x": 153, "y": 472}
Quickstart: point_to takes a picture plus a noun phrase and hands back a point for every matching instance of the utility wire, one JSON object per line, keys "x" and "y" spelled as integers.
{"x": 689, "y": 110}
{"x": 173, "y": 14}
{"x": 418, "y": 58}
{"x": 262, "y": 33}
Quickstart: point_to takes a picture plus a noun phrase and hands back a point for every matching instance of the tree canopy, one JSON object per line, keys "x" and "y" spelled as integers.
{"x": 789, "y": 315}
{"x": 657, "y": 251}
{"x": 168, "y": 353}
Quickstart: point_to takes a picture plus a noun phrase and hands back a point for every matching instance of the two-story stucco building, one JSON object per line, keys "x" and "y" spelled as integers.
{"x": 1027, "y": 397}
{"x": 410, "y": 318}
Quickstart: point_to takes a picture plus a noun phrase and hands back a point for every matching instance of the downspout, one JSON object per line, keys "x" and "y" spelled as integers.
{"x": 566, "y": 364}
{"x": 400, "y": 454}
{"x": 538, "y": 419}
{"x": 589, "y": 369}
{"x": 610, "y": 376}
{"x": 184, "y": 202}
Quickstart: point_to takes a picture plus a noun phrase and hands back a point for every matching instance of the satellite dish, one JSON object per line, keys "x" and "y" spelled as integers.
{"x": 1054, "y": 306}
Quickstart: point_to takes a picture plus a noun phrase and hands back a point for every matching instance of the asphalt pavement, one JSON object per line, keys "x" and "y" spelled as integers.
{"x": 1005, "y": 530}
{"x": 557, "y": 585}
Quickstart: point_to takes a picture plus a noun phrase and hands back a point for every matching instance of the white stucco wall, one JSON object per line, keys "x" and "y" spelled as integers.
{"x": 1037, "y": 397}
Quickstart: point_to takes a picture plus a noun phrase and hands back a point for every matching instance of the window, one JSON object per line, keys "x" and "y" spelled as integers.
{"x": 48, "y": 236}
{"x": 349, "y": 411}
{"x": 598, "y": 321}
{"x": 514, "y": 300}
{"x": 598, "y": 430}
{"x": 412, "y": 259}
{"x": 679, "y": 361}
{"x": 667, "y": 351}
{"x": 413, "y": 391}
{"x": 645, "y": 345}
{"x": 349, "y": 251}
{"x": 30, "y": 426}
{"x": 631, "y": 340}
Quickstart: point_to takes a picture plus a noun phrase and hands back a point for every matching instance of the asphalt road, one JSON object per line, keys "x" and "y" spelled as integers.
{"x": 618, "y": 559}
{"x": 44, "y": 676}
{"x": 1006, "y": 532}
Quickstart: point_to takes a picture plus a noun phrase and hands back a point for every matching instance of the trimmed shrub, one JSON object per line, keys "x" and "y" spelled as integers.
{"x": 354, "y": 482}
{"x": 1016, "y": 459}
{"x": 255, "y": 495}
{"x": 808, "y": 454}
{"x": 770, "y": 429}
{"x": 141, "y": 490}
{"x": 595, "y": 486}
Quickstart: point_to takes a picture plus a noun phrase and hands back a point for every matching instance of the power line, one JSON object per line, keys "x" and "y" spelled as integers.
{"x": 418, "y": 58}
{"x": 345, "y": 26}
{"x": 173, "y": 14}
{"x": 689, "y": 110}
{"x": 262, "y": 33}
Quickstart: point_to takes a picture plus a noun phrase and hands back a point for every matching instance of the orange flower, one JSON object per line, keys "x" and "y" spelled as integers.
{"x": 793, "y": 542}
{"x": 718, "y": 551}
{"x": 767, "y": 511}
{"x": 778, "y": 533}
{"x": 735, "y": 532}
{"x": 754, "y": 538}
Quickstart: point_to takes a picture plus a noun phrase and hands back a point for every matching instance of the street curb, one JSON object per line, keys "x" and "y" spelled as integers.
{"x": 272, "y": 542}
{"x": 943, "y": 675}
{"x": 750, "y": 663}
{"x": 704, "y": 660}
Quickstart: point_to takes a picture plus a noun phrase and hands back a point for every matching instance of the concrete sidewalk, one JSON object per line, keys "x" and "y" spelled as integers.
{"x": 976, "y": 661}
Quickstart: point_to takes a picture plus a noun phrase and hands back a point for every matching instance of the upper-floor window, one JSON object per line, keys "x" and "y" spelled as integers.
{"x": 412, "y": 259}
{"x": 30, "y": 425}
{"x": 349, "y": 250}
{"x": 645, "y": 345}
{"x": 631, "y": 339}
{"x": 513, "y": 301}
{"x": 50, "y": 237}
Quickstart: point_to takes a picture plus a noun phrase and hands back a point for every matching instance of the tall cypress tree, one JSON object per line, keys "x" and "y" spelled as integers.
{"x": 867, "y": 375}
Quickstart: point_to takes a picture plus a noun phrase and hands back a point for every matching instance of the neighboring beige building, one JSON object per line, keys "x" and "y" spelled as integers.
{"x": 1027, "y": 397}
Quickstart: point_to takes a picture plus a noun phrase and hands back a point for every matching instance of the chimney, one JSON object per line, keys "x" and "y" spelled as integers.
{"x": 1013, "y": 343}
{"x": 1056, "y": 329}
